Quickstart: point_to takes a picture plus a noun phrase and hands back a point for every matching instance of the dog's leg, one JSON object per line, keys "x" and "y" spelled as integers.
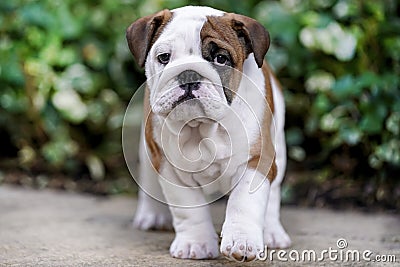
{"x": 150, "y": 213}
{"x": 274, "y": 233}
{"x": 195, "y": 234}
{"x": 242, "y": 232}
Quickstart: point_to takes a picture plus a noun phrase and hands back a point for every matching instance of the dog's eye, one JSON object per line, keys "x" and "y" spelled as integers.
{"x": 164, "y": 58}
{"x": 221, "y": 60}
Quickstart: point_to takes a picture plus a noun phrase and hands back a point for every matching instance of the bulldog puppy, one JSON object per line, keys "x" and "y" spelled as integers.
{"x": 213, "y": 124}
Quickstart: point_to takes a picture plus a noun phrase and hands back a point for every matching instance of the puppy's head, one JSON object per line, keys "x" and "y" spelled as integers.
{"x": 193, "y": 58}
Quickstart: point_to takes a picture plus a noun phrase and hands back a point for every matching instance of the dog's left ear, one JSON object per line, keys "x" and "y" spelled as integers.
{"x": 254, "y": 36}
{"x": 142, "y": 33}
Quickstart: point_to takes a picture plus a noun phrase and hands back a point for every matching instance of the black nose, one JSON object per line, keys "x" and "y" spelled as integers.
{"x": 189, "y": 80}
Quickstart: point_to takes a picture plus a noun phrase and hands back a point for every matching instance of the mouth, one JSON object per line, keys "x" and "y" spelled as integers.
{"x": 183, "y": 98}
{"x": 187, "y": 95}
{"x": 189, "y": 98}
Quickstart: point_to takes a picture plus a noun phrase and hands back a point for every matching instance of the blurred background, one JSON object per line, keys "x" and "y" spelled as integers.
{"x": 66, "y": 77}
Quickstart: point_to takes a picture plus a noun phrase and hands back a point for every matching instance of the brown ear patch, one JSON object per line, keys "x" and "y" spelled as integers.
{"x": 253, "y": 34}
{"x": 218, "y": 35}
{"x": 218, "y": 30}
{"x": 142, "y": 34}
{"x": 238, "y": 34}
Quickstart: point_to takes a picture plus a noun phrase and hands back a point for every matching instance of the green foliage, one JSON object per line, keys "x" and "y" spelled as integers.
{"x": 66, "y": 76}
{"x": 340, "y": 63}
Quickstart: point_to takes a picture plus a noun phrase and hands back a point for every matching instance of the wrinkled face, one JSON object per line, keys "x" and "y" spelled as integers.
{"x": 194, "y": 59}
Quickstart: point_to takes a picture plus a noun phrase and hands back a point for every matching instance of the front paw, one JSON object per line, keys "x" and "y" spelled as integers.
{"x": 191, "y": 246}
{"x": 275, "y": 235}
{"x": 242, "y": 242}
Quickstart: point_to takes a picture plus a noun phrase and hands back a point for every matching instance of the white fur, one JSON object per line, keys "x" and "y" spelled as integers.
{"x": 151, "y": 212}
{"x": 204, "y": 160}
{"x": 195, "y": 234}
{"x": 274, "y": 233}
{"x": 242, "y": 232}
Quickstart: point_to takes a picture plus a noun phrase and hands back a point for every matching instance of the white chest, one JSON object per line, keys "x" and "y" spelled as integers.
{"x": 203, "y": 154}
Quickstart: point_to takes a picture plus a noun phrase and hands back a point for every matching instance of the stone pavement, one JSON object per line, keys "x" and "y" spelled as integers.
{"x": 53, "y": 228}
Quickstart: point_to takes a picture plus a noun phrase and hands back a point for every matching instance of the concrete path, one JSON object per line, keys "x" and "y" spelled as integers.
{"x": 52, "y": 228}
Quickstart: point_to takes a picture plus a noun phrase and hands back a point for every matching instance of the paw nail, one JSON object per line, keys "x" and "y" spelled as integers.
{"x": 238, "y": 256}
{"x": 249, "y": 248}
{"x": 180, "y": 253}
{"x": 251, "y": 258}
{"x": 210, "y": 255}
{"x": 241, "y": 247}
{"x": 193, "y": 255}
{"x": 228, "y": 248}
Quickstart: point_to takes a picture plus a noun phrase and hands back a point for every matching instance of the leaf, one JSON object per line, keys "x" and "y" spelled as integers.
{"x": 10, "y": 68}
{"x": 389, "y": 152}
{"x": 368, "y": 79}
{"x": 392, "y": 46}
{"x": 50, "y": 53}
{"x": 371, "y": 123}
{"x": 375, "y": 162}
{"x": 322, "y": 104}
{"x": 280, "y": 23}
{"x": 294, "y": 136}
{"x": 13, "y": 101}
{"x": 96, "y": 167}
{"x": 332, "y": 121}
{"x": 329, "y": 123}
{"x": 315, "y": 19}
{"x": 345, "y": 87}
{"x": 36, "y": 14}
{"x": 77, "y": 77}
{"x": 377, "y": 8}
{"x": 52, "y": 120}
{"x": 70, "y": 105}
{"x": 58, "y": 150}
{"x": 350, "y": 135}
{"x": 297, "y": 153}
{"x": 393, "y": 123}
{"x": 67, "y": 57}
{"x": 94, "y": 54}
{"x": 69, "y": 26}
{"x": 374, "y": 113}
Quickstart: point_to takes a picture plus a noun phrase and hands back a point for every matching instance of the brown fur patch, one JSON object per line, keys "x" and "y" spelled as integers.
{"x": 268, "y": 86}
{"x": 219, "y": 30}
{"x": 262, "y": 151}
{"x": 153, "y": 148}
{"x": 239, "y": 36}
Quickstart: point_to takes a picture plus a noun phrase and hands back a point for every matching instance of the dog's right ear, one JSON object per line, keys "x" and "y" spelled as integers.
{"x": 142, "y": 34}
